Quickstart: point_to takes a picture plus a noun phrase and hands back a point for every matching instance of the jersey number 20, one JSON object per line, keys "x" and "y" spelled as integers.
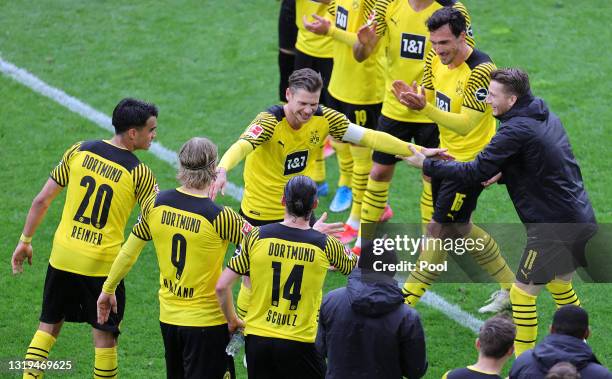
{"x": 291, "y": 288}
{"x": 101, "y": 206}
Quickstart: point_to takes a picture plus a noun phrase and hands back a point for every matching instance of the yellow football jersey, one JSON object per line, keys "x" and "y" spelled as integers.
{"x": 405, "y": 34}
{"x": 353, "y": 82}
{"x": 103, "y": 183}
{"x": 463, "y": 86}
{"x": 287, "y": 268}
{"x": 307, "y": 42}
{"x": 281, "y": 152}
{"x": 191, "y": 235}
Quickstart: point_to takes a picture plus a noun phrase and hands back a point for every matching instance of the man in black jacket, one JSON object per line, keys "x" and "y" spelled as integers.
{"x": 565, "y": 343}
{"x": 366, "y": 330}
{"x": 532, "y": 154}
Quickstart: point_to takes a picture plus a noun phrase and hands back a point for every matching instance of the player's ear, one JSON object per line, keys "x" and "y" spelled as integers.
{"x": 513, "y": 99}
{"x": 477, "y": 344}
{"x": 510, "y": 351}
{"x": 587, "y": 333}
{"x": 283, "y": 201}
{"x": 288, "y": 94}
{"x": 131, "y": 132}
{"x": 315, "y": 204}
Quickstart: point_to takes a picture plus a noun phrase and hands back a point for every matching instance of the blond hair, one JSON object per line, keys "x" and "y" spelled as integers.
{"x": 197, "y": 163}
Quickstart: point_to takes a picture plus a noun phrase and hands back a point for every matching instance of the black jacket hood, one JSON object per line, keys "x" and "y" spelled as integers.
{"x": 527, "y": 106}
{"x": 375, "y": 297}
{"x": 561, "y": 348}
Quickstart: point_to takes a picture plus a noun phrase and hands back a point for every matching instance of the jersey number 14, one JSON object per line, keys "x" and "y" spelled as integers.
{"x": 292, "y": 287}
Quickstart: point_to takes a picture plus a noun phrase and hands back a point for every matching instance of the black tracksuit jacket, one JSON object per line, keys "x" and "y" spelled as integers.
{"x": 532, "y": 151}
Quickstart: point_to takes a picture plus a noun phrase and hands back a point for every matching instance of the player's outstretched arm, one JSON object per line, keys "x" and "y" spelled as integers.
{"x": 386, "y": 143}
{"x": 37, "y": 212}
{"x": 234, "y": 155}
{"x": 488, "y": 163}
{"x": 325, "y": 228}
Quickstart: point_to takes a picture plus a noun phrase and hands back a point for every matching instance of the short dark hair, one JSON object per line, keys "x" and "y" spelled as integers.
{"x": 571, "y": 320}
{"x": 514, "y": 80}
{"x": 306, "y": 79}
{"x": 132, "y": 113}
{"x": 300, "y": 195}
{"x": 447, "y": 15}
{"x": 496, "y": 336}
{"x": 563, "y": 370}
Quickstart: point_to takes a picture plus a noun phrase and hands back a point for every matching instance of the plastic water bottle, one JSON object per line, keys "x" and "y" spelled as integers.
{"x": 235, "y": 343}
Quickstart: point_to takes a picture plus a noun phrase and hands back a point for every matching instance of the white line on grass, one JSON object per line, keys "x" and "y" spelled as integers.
{"x": 22, "y": 76}
{"x": 452, "y": 311}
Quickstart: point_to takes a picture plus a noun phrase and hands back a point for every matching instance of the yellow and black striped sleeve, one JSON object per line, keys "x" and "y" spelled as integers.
{"x": 230, "y": 226}
{"x": 427, "y": 71}
{"x": 469, "y": 38}
{"x": 338, "y": 123}
{"x": 144, "y": 183}
{"x": 260, "y": 129}
{"x": 240, "y": 263}
{"x": 368, "y": 8}
{"x": 331, "y": 8}
{"x": 141, "y": 229}
{"x": 381, "y": 16}
{"x": 477, "y": 86}
{"x": 61, "y": 172}
{"x": 338, "y": 256}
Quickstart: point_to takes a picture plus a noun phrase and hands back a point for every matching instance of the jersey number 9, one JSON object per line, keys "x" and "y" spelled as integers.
{"x": 179, "y": 254}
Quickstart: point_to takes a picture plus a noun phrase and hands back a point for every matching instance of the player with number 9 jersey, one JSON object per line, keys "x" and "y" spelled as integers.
{"x": 191, "y": 235}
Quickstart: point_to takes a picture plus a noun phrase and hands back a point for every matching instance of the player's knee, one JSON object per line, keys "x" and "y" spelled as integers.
{"x": 104, "y": 339}
{"x": 53, "y": 329}
{"x": 382, "y": 173}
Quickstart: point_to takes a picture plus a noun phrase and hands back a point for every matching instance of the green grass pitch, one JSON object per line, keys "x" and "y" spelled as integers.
{"x": 210, "y": 67}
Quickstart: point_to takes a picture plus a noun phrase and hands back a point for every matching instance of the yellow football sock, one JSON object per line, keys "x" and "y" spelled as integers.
{"x": 489, "y": 257}
{"x": 345, "y": 162}
{"x": 362, "y": 164}
{"x": 105, "y": 365}
{"x": 243, "y": 300}
{"x": 563, "y": 293}
{"x": 317, "y": 173}
{"x": 419, "y": 279}
{"x": 427, "y": 207}
{"x": 374, "y": 200}
{"x": 525, "y": 317}
{"x": 39, "y": 349}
